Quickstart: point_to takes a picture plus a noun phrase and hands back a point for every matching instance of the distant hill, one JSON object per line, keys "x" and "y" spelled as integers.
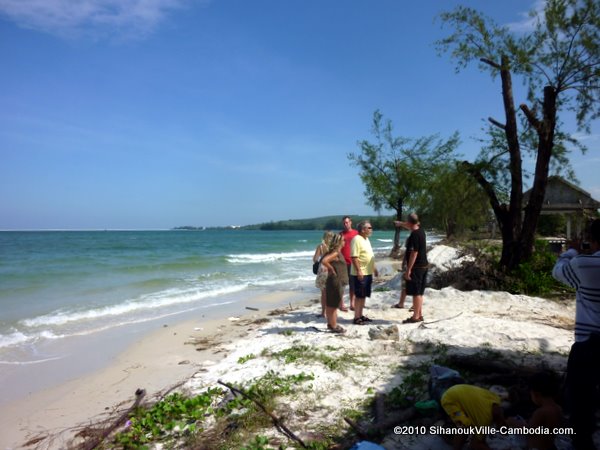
{"x": 316, "y": 223}
{"x": 322, "y": 223}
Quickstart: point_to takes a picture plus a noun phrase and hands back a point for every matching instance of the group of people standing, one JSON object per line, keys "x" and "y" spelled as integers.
{"x": 347, "y": 258}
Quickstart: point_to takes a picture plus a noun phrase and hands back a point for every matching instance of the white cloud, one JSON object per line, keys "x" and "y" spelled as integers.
{"x": 68, "y": 18}
{"x": 587, "y": 137}
{"x": 527, "y": 22}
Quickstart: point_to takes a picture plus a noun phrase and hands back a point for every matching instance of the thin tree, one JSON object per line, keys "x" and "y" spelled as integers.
{"x": 394, "y": 170}
{"x": 559, "y": 61}
{"x": 453, "y": 201}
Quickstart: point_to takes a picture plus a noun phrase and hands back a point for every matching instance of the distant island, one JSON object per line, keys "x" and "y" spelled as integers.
{"x": 317, "y": 223}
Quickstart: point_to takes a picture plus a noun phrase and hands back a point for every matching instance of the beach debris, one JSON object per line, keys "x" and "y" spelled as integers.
{"x": 198, "y": 328}
{"x": 251, "y": 308}
{"x": 103, "y": 434}
{"x": 384, "y": 333}
{"x": 276, "y": 420}
{"x": 233, "y": 319}
{"x": 201, "y": 343}
{"x": 184, "y": 362}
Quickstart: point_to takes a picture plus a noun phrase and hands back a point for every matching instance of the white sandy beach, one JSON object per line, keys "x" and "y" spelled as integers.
{"x": 524, "y": 329}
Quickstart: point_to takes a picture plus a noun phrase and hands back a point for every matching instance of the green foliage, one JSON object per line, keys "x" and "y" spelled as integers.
{"x": 258, "y": 443}
{"x": 412, "y": 387}
{"x": 396, "y": 170}
{"x": 306, "y": 353}
{"x": 552, "y": 225}
{"x": 175, "y": 410}
{"x": 534, "y": 277}
{"x": 177, "y": 416}
{"x": 558, "y": 60}
{"x": 562, "y": 50}
{"x": 454, "y": 201}
{"x": 243, "y": 417}
{"x": 246, "y": 358}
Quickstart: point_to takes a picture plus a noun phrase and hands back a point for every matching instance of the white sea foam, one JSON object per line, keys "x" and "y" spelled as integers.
{"x": 20, "y": 339}
{"x": 26, "y": 363}
{"x": 13, "y": 338}
{"x": 268, "y": 257}
{"x": 169, "y": 297}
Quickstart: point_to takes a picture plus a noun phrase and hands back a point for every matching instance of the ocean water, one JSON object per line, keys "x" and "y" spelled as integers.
{"x": 57, "y": 285}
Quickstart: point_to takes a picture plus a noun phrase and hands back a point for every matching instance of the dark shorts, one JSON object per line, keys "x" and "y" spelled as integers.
{"x": 416, "y": 285}
{"x": 362, "y": 288}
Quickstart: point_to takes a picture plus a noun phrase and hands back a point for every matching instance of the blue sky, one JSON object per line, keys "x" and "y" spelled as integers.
{"x": 144, "y": 114}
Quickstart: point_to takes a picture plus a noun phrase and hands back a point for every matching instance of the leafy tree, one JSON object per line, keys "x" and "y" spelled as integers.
{"x": 395, "y": 170}
{"x": 453, "y": 202}
{"x": 559, "y": 62}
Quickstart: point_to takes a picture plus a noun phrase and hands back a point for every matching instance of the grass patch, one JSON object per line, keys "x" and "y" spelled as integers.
{"x": 332, "y": 358}
{"x": 244, "y": 359}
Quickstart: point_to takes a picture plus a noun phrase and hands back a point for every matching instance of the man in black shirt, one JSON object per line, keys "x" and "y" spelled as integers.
{"x": 415, "y": 261}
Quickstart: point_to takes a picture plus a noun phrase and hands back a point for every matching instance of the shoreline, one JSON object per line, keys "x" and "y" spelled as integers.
{"x": 153, "y": 359}
{"x": 527, "y": 328}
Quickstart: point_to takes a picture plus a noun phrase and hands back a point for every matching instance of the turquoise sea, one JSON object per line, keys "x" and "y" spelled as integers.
{"x": 58, "y": 285}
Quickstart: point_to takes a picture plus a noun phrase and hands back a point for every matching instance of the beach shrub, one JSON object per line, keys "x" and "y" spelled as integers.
{"x": 534, "y": 277}
{"x": 240, "y": 418}
{"x": 174, "y": 415}
{"x": 411, "y": 388}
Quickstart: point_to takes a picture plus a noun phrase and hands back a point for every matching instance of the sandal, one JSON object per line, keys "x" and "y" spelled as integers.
{"x": 413, "y": 320}
{"x": 366, "y": 319}
{"x": 336, "y": 329}
{"x": 397, "y": 306}
{"x": 358, "y": 321}
{"x": 343, "y": 309}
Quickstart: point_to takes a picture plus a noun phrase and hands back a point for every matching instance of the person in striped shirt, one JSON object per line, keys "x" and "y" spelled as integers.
{"x": 582, "y": 272}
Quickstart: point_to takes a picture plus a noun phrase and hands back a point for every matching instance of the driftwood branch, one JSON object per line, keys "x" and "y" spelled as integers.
{"x": 90, "y": 445}
{"x": 276, "y": 420}
{"x": 440, "y": 320}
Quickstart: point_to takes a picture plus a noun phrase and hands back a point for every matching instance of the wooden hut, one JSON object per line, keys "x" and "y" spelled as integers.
{"x": 563, "y": 197}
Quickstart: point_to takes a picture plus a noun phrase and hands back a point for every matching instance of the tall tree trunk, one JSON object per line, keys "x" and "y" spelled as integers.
{"x": 396, "y": 247}
{"x": 513, "y": 219}
{"x": 545, "y": 130}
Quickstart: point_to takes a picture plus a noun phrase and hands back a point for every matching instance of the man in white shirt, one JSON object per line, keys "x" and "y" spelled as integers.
{"x": 582, "y": 272}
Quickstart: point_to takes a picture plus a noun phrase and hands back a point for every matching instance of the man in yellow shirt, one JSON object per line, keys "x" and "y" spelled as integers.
{"x": 363, "y": 269}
